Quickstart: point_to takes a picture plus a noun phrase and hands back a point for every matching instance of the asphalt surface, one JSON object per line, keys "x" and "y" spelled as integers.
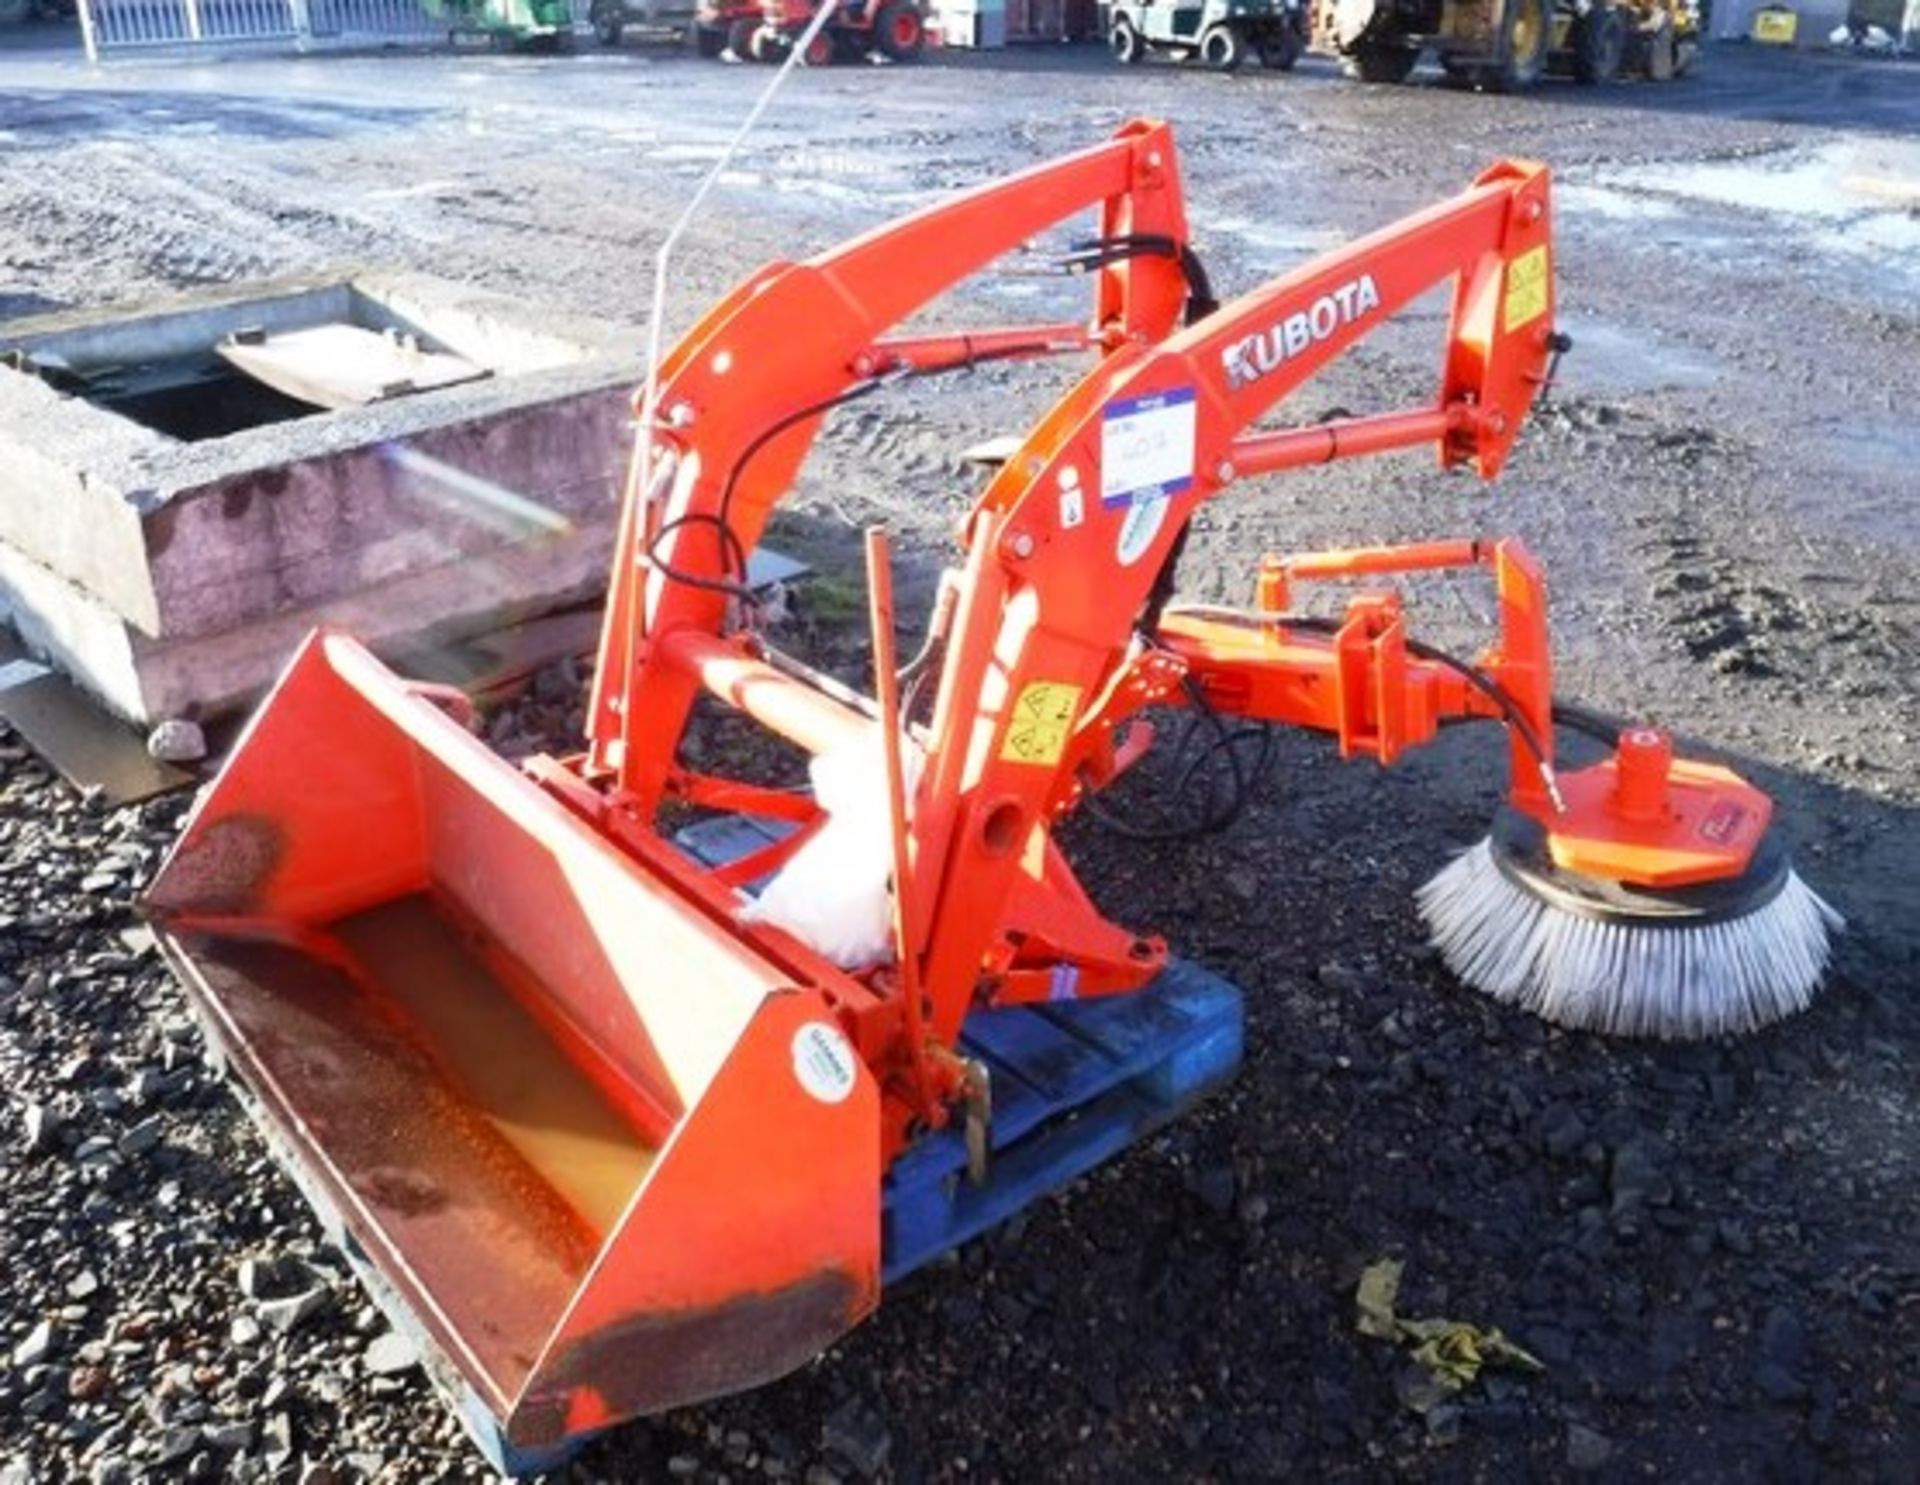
{"x": 1711, "y": 1249}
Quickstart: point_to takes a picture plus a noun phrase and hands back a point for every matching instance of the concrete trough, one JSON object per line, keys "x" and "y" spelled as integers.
{"x": 170, "y": 530}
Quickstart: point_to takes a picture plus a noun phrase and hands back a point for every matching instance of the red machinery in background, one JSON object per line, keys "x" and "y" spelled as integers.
{"x": 894, "y": 29}
{"x": 609, "y": 1142}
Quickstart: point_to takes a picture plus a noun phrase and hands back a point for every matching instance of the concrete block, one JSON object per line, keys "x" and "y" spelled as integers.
{"x": 168, "y": 540}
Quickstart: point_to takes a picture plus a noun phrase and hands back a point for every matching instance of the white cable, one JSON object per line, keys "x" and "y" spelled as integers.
{"x": 662, "y": 260}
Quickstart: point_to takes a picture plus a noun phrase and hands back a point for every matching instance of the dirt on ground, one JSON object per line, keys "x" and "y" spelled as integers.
{"x": 1710, "y": 1248}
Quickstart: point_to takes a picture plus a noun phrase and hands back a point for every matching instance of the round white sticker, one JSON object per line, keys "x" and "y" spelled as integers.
{"x": 1143, "y": 521}
{"x": 823, "y": 1062}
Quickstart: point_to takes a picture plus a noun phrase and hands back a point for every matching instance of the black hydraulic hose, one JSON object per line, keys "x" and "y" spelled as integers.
{"x": 733, "y": 552}
{"x": 1243, "y": 779}
{"x": 1485, "y": 684}
{"x": 1101, "y": 252}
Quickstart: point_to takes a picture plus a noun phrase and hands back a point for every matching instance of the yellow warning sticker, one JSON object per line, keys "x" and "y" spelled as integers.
{"x": 1526, "y": 288}
{"x": 1042, "y": 718}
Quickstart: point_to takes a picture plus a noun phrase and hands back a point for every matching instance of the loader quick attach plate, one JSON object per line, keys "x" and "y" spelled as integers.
{"x": 1074, "y": 1084}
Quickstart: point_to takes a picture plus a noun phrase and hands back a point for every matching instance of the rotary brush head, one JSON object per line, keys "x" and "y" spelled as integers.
{"x": 1719, "y": 958}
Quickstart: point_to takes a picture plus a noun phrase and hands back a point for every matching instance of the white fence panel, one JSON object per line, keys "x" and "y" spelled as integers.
{"x": 115, "y": 25}
{"x": 243, "y": 20}
{"x": 335, "y": 20}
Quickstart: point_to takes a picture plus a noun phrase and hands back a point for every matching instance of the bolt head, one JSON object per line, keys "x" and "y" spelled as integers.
{"x": 1021, "y": 544}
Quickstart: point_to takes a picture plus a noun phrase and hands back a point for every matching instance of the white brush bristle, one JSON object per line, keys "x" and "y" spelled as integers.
{"x": 1625, "y": 979}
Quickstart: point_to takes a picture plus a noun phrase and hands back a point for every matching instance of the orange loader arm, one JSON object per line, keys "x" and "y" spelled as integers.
{"x": 743, "y": 394}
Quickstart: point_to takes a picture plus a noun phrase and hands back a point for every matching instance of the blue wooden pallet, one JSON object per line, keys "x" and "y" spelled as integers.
{"x": 1074, "y": 1083}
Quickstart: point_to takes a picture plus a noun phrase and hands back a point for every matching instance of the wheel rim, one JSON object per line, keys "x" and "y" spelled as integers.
{"x": 906, "y": 29}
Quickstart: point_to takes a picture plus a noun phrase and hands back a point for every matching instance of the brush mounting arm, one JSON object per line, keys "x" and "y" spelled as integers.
{"x": 1364, "y": 678}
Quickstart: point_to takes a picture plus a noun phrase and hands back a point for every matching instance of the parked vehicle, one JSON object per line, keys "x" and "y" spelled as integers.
{"x": 1507, "y": 45}
{"x": 1221, "y": 33}
{"x": 668, "y": 21}
{"x": 893, "y": 29}
{"x": 528, "y": 23}
{"x": 727, "y": 27}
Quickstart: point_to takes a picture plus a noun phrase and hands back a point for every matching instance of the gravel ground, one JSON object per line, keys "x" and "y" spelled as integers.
{"x": 1711, "y": 1249}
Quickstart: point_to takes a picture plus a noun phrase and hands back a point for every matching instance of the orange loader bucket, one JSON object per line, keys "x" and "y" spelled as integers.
{"x": 580, "y": 1139}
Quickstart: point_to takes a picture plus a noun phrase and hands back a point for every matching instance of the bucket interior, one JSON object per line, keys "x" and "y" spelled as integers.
{"x": 475, "y": 1024}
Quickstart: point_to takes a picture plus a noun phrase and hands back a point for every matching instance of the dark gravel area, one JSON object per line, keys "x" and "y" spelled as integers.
{"x": 1711, "y": 1249}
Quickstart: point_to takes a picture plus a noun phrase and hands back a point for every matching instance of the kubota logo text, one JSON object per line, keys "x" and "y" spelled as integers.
{"x": 1250, "y": 359}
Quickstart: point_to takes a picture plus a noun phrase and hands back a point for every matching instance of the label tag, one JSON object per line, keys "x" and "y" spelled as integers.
{"x": 1042, "y": 718}
{"x": 1073, "y": 508}
{"x": 823, "y": 1062}
{"x": 1723, "y": 823}
{"x": 1142, "y": 524}
{"x": 1526, "y": 289}
{"x": 1146, "y": 447}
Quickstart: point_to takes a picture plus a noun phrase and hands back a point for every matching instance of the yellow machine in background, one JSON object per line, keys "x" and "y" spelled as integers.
{"x": 1775, "y": 25}
{"x": 1506, "y": 45}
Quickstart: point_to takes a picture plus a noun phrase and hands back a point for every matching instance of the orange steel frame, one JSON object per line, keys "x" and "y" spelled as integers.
{"x": 1042, "y": 627}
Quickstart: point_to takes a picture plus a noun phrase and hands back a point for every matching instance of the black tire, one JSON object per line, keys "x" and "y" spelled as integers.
{"x": 1461, "y": 75}
{"x": 899, "y": 31}
{"x": 1124, "y": 42}
{"x": 709, "y": 41}
{"x": 1375, "y": 62}
{"x": 16, "y": 12}
{"x": 1661, "y": 62}
{"x": 1280, "y": 48}
{"x": 1223, "y": 48}
{"x": 1526, "y": 35}
{"x": 1599, "y": 43}
{"x": 741, "y": 33}
{"x": 608, "y": 30}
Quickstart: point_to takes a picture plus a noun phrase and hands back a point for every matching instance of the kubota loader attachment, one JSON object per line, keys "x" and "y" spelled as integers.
{"x": 608, "y": 1131}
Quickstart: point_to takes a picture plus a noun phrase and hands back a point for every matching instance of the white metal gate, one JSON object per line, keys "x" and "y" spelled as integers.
{"x": 116, "y": 25}
{"x": 370, "y": 20}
